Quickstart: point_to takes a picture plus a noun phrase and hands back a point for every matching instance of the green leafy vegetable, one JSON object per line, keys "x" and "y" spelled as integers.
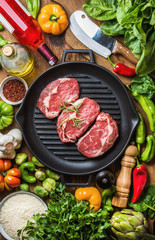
{"x": 33, "y": 6}
{"x": 144, "y": 85}
{"x": 146, "y": 202}
{"x": 66, "y": 219}
{"x": 101, "y": 10}
{"x": 133, "y": 19}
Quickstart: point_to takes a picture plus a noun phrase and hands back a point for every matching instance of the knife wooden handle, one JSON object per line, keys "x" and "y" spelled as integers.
{"x": 123, "y": 50}
{"x": 123, "y": 183}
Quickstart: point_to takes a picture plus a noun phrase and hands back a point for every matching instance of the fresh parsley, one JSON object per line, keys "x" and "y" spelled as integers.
{"x": 146, "y": 202}
{"x": 67, "y": 218}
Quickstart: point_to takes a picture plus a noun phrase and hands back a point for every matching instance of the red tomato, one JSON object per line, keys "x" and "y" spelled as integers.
{"x": 12, "y": 181}
{"x": 1, "y": 184}
{"x": 7, "y": 187}
{"x": 5, "y": 164}
{"x": 14, "y": 172}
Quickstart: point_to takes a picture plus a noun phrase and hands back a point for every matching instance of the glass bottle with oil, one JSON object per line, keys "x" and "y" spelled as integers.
{"x": 17, "y": 60}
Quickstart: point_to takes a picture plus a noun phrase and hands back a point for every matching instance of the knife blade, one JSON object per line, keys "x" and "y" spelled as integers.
{"x": 92, "y": 36}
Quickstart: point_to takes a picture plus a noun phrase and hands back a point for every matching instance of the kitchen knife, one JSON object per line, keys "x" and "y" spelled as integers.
{"x": 92, "y": 36}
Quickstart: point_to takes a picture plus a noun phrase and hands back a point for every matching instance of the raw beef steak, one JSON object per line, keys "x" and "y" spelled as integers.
{"x": 74, "y": 121}
{"x": 100, "y": 138}
{"x": 55, "y": 93}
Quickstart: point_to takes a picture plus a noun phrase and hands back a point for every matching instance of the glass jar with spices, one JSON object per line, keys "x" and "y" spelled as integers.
{"x": 17, "y": 60}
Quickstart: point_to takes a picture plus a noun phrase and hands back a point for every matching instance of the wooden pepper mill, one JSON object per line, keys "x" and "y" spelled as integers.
{"x": 123, "y": 182}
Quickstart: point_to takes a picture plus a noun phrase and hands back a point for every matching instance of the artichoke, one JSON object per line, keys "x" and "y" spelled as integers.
{"x": 129, "y": 224}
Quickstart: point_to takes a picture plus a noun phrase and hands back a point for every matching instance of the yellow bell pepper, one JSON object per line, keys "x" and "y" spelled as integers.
{"x": 53, "y": 19}
{"x": 90, "y": 194}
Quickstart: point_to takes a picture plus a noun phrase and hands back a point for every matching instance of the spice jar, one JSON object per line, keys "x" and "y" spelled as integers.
{"x": 17, "y": 60}
{"x": 13, "y": 90}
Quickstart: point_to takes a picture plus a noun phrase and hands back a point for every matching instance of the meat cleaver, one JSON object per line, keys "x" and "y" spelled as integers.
{"x": 92, "y": 37}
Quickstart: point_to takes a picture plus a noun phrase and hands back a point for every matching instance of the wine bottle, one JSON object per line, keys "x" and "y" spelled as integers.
{"x": 19, "y": 22}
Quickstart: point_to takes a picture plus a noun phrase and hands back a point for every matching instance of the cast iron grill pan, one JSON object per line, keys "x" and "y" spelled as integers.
{"x": 41, "y": 135}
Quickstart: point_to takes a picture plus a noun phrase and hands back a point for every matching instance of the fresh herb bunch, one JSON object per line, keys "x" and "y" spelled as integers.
{"x": 67, "y": 218}
{"x": 65, "y": 105}
{"x": 146, "y": 202}
{"x": 135, "y": 19}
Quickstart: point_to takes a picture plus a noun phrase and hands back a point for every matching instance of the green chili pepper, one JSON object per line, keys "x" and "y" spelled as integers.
{"x": 1, "y": 28}
{"x": 33, "y": 6}
{"x": 52, "y": 174}
{"x": 148, "y": 107}
{"x": 24, "y": 172}
{"x": 36, "y": 162}
{"x": 107, "y": 198}
{"x": 149, "y": 151}
{"x": 6, "y": 114}
{"x": 140, "y": 132}
{"x": 20, "y": 158}
{"x": 3, "y": 42}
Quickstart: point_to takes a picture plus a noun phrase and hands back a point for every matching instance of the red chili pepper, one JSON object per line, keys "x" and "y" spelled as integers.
{"x": 139, "y": 181}
{"x": 122, "y": 69}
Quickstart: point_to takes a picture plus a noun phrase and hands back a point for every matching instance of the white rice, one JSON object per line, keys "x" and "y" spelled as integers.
{"x": 17, "y": 210}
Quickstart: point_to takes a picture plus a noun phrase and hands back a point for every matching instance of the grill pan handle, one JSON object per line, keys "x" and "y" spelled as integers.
{"x": 88, "y": 51}
{"x": 73, "y": 184}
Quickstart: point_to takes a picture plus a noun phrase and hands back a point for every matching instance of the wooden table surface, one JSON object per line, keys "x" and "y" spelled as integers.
{"x": 57, "y": 44}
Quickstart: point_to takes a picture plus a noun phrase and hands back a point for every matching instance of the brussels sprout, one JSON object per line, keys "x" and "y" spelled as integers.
{"x": 49, "y": 184}
{"x": 20, "y": 158}
{"x": 40, "y": 191}
{"x": 36, "y": 162}
{"x": 40, "y": 175}
{"x": 52, "y": 174}
{"x": 24, "y": 187}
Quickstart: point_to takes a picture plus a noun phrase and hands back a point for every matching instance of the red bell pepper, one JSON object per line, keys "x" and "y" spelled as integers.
{"x": 139, "y": 181}
{"x": 122, "y": 69}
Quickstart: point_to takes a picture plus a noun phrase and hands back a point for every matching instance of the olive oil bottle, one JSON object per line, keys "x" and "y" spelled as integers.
{"x": 17, "y": 60}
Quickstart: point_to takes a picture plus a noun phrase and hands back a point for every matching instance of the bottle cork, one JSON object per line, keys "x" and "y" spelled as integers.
{"x": 8, "y": 50}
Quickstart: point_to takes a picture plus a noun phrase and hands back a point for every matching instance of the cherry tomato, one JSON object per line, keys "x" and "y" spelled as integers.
{"x": 5, "y": 164}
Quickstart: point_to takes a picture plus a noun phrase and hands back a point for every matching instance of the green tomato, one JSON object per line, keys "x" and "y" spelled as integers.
{"x": 6, "y": 114}
{"x": 49, "y": 184}
{"x": 24, "y": 187}
{"x": 40, "y": 175}
{"x": 40, "y": 191}
{"x": 21, "y": 158}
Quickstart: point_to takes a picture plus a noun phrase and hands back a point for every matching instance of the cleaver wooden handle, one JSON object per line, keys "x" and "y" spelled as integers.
{"x": 123, "y": 50}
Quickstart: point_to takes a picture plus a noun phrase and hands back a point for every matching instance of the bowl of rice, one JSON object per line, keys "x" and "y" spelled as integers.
{"x": 16, "y": 209}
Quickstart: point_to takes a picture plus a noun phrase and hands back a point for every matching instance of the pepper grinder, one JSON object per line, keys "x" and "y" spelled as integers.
{"x": 123, "y": 182}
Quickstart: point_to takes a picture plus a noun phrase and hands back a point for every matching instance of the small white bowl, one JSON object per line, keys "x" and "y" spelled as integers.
{"x": 4, "y": 234}
{"x": 2, "y": 85}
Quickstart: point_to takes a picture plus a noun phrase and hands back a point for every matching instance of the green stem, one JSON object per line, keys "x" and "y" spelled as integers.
{"x": 138, "y": 164}
{"x": 148, "y": 236}
{"x": 53, "y": 18}
{"x": 149, "y": 206}
{"x": 111, "y": 62}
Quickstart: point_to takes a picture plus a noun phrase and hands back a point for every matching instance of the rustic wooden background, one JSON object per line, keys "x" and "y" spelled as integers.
{"x": 57, "y": 45}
